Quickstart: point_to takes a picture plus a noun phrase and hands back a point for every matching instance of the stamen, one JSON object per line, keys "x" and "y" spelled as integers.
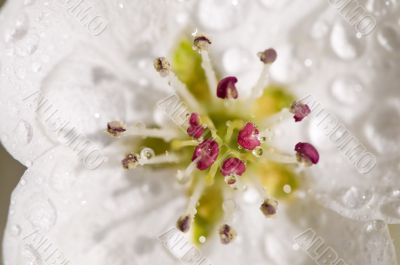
{"x": 184, "y": 223}
{"x": 130, "y": 161}
{"x": 231, "y": 126}
{"x": 269, "y": 207}
{"x": 277, "y": 118}
{"x": 201, "y": 44}
{"x": 178, "y": 144}
{"x": 227, "y": 234}
{"x": 267, "y": 57}
{"x": 164, "y": 68}
{"x": 161, "y": 159}
{"x": 299, "y": 110}
{"x": 164, "y": 133}
{"x": 273, "y": 155}
{"x": 306, "y": 154}
{"x": 208, "y": 152}
{"x": 183, "y": 176}
{"x": 226, "y": 88}
{"x": 248, "y": 137}
{"x": 116, "y": 128}
{"x": 233, "y": 167}
{"x": 195, "y": 129}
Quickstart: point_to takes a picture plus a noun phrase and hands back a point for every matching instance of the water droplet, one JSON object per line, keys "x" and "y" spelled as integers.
{"x": 258, "y": 152}
{"x": 380, "y": 7}
{"x": 28, "y": 45}
{"x": 29, "y": 2}
{"x": 24, "y": 132}
{"x": 20, "y": 72}
{"x": 30, "y": 256}
{"x": 219, "y": 15}
{"x": 344, "y": 42}
{"x": 347, "y": 90}
{"x": 235, "y": 60}
{"x": 273, "y": 4}
{"x": 355, "y": 198}
{"x": 16, "y": 230}
{"x": 396, "y": 193}
{"x": 320, "y": 29}
{"x": 391, "y": 209}
{"x": 374, "y": 226}
{"x": 22, "y": 182}
{"x": 36, "y": 67}
{"x": 308, "y": 62}
{"x": 383, "y": 134}
{"x": 147, "y": 153}
{"x": 40, "y": 212}
{"x": 389, "y": 38}
{"x": 287, "y": 189}
{"x": 20, "y": 29}
{"x": 202, "y": 239}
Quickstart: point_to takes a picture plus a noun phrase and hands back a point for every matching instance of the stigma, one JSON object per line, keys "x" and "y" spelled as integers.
{"x": 220, "y": 145}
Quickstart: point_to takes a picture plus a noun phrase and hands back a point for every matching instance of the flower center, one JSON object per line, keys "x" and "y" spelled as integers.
{"x": 224, "y": 143}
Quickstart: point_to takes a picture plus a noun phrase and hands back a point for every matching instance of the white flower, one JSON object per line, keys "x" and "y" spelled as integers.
{"x": 69, "y": 67}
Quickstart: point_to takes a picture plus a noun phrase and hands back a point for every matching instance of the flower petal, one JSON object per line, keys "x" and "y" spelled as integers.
{"x": 89, "y": 216}
{"x": 74, "y": 55}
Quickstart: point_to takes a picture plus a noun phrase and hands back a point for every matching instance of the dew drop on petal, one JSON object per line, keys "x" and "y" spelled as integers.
{"x": 29, "y": 2}
{"x": 391, "y": 209}
{"x": 20, "y": 29}
{"x": 23, "y": 132}
{"x": 345, "y": 43}
{"x": 355, "y": 198}
{"x": 380, "y": 7}
{"x": 28, "y": 45}
{"x": 30, "y": 256}
{"x": 219, "y": 15}
{"x": 383, "y": 134}
{"x": 347, "y": 90}
{"x": 320, "y": 29}
{"x": 374, "y": 226}
{"x": 40, "y": 212}
{"x": 16, "y": 230}
{"x": 389, "y": 38}
{"x": 273, "y": 4}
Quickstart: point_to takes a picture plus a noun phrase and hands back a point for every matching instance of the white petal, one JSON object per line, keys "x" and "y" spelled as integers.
{"x": 277, "y": 241}
{"x": 77, "y": 58}
{"x": 89, "y": 216}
